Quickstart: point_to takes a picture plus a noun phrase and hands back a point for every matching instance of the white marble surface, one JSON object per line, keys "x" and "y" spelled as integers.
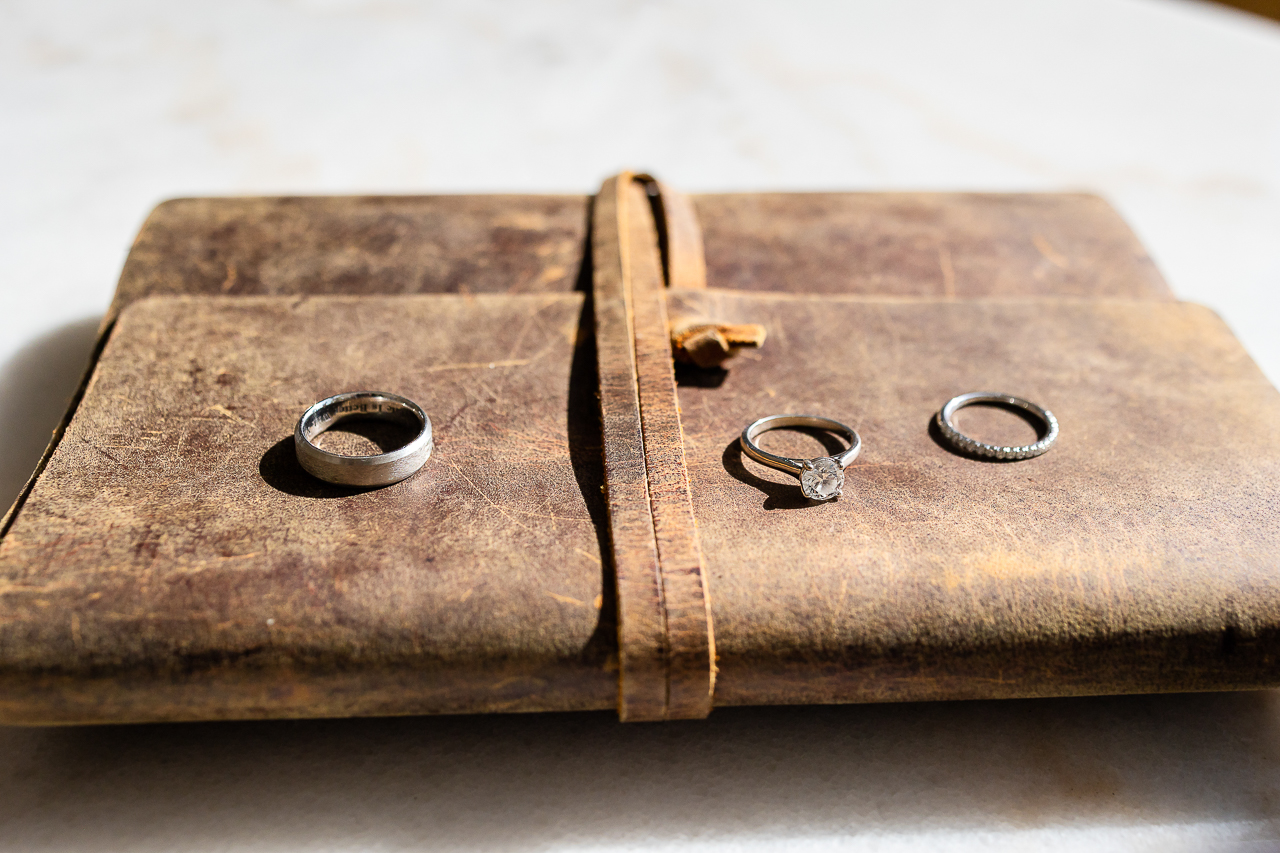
{"x": 1170, "y": 109}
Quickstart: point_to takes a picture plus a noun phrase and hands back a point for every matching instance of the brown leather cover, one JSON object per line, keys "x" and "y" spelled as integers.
{"x": 357, "y": 245}
{"x": 924, "y": 244}
{"x": 907, "y": 244}
{"x": 171, "y": 561}
{"x": 1141, "y": 553}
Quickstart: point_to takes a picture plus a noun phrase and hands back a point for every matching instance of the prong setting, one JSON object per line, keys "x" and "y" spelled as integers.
{"x": 821, "y": 479}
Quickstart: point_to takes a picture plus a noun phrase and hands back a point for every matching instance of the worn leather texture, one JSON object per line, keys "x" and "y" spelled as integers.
{"x": 171, "y": 561}
{"x": 908, "y": 244}
{"x": 925, "y": 244}
{"x": 1139, "y": 554}
{"x": 174, "y": 562}
{"x": 357, "y": 245}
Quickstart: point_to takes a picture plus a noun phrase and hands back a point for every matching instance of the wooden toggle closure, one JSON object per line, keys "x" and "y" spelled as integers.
{"x": 666, "y": 646}
{"x": 712, "y": 344}
{"x": 693, "y": 340}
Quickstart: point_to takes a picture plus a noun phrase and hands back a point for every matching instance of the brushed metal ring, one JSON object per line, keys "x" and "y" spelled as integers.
{"x": 381, "y": 469}
{"x": 822, "y": 478}
{"x": 962, "y": 442}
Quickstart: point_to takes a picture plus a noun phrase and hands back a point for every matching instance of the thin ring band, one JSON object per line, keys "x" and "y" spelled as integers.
{"x": 382, "y": 469}
{"x": 821, "y": 478}
{"x": 962, "y": 442}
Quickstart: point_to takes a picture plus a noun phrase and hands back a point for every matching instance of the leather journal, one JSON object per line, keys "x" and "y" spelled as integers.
{"x": 587, "y": 533}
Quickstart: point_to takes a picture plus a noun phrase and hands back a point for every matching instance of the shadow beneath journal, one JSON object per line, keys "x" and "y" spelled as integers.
{"x": 36, "y": 386}
{"x": 536, "y": 781}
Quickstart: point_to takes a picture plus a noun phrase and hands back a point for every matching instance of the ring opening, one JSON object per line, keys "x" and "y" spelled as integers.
{"x": 364, "y": 437}
{"x": 999, "y": 424}
{"x": 801, "y": 442}
{"x": 363, "y": 426}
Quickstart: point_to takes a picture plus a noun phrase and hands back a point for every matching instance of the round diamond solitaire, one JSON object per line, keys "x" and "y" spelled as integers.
{"x": 822, "y": 479}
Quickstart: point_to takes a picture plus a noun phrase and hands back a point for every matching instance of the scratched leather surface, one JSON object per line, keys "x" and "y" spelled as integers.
{"x": 357, "y": 245}
{"x": 174, "y": 562}
{"x": 924, "y": 244}
{"x": 1140, "y": 553}
{"x": 919, "y": 244}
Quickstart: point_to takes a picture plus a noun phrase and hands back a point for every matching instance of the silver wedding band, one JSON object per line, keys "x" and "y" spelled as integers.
{"x": 962, "y": 442}
{"x": 382, "y": 469}
{"x": 821, "y": 478}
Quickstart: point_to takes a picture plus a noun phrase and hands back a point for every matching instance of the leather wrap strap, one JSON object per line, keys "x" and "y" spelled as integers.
{"x": 666, "y": 647}
{"x": 679, "y": 236}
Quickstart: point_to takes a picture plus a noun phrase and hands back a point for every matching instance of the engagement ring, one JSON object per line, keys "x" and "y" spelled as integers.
{"x": 821, "y": 479}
